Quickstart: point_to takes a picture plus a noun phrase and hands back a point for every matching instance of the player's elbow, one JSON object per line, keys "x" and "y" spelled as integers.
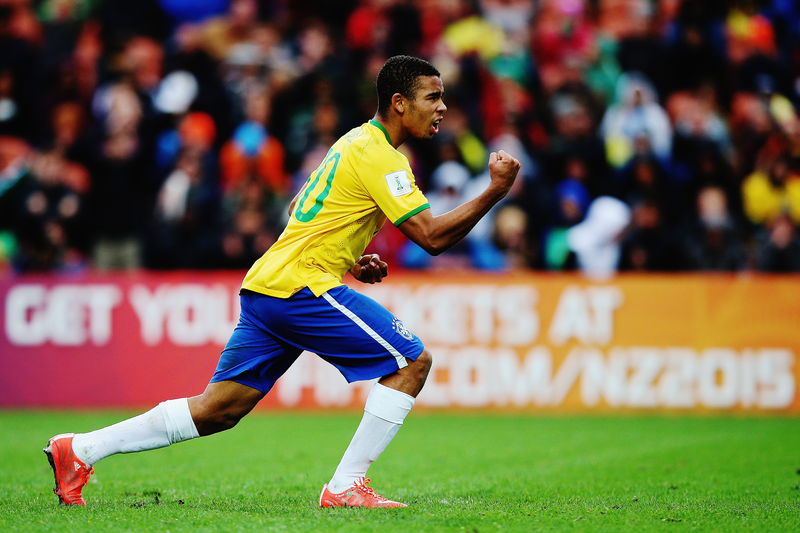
{"x": 427, "y": 233}
{"x": 434, "y": 241}
{"x": 434, "y": 246}
{"x": 438, "y": 250}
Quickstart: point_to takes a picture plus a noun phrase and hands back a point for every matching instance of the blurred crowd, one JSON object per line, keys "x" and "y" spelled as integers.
{"x": 654, "y": 135}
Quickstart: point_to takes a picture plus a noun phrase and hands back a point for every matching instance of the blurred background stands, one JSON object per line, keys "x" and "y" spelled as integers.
{"x": 172, "y": 134}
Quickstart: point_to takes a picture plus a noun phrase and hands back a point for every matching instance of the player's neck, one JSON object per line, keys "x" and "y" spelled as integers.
{"x": 392, "y": 129}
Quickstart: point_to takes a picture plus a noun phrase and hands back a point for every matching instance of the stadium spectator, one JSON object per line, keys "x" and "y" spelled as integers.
{"x": 597, "y": 241}
{"x": 367, "y": 26}
{"x": 119, "y": 196}
{"x": 220, "y": 36}
{"x": 574, "y": 136}
{"x": 698, "y": 121}
{"x": 649, "y": 245}
{"x": 46, "y": 203}
{"x": 773, "y": 189}
{"x": 641, "y": 49}
{"x": 471, "y": 33}
{"x": 175, "y": 94}
{"x": 636, "y": 123}
{"x": 694, "y": 48}
{"x": 255, "y": 185}
{"x": 645, "y": 178}
{"x": 562, "y": 42}
{"x": 253, "y": 152}
{"x": 511, "y": 236}
{"x": 751, "y": 125}
{"x": 185, "y": 229}
{"x": 570, "y": 201}
{"x": 712, "y": 242}
{"x": 472, "y": 150}
{"x": 778, "y": 246}
{"x": 247, "y": 233}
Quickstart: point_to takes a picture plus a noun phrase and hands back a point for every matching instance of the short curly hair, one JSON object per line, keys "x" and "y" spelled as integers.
{"x": 400, "y": 74}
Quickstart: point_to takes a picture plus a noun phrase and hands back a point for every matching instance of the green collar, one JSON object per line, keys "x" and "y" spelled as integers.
{"x": 380, "y": 127}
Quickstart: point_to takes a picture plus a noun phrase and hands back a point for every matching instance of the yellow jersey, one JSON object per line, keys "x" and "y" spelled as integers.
{"x": 342, "y": 206}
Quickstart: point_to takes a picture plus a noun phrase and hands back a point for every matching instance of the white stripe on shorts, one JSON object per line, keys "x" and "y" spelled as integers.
{"x": 401, "y": 361}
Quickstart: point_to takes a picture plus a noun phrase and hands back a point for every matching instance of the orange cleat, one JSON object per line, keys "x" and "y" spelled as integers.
{"x": 71, "y": 473}
{"x": 359, "y": 495}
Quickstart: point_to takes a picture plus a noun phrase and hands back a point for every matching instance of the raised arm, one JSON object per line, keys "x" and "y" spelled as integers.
{"x": 435, "y": 234}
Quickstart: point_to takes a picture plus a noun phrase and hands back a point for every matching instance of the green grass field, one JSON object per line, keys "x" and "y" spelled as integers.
{"x": 473, "y": 473}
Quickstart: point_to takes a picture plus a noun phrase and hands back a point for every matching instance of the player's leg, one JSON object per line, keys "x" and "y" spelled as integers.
{"x": 411, "y": 379}
{"x": 387, "y": 405}
{"x": 220, "y": 407}
{"x": 364, "y": 341}
{"x": 72, "y": 456}
{"x": 248, "y": 367}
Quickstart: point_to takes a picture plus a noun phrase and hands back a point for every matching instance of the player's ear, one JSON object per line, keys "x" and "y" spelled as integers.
{"x": 398, "y": 102}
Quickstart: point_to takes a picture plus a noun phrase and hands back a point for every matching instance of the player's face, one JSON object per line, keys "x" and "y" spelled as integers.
{"x": 427, "y": 108}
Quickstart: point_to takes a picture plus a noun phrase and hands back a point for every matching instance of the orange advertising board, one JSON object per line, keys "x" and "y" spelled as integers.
{"x": 521, "y": 341}
{"x": 644, "y": 342}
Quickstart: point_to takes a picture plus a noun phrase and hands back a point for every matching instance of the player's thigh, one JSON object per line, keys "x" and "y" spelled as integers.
{"x": 254, "y": 356}
{"x": 351, "y": 331}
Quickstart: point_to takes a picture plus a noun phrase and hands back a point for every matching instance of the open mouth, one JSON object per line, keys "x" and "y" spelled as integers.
{"x": 435, "y": 125}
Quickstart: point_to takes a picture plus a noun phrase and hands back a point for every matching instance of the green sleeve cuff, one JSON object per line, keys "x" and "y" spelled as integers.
{"x": 410, "y": 214}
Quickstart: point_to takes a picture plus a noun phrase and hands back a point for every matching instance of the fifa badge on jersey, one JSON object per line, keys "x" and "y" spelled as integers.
{"x": 403, "y": 331}
{"x": 399, "y": 184}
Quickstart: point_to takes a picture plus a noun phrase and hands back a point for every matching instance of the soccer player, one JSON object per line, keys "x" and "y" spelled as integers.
{"x": 293, "y": 299}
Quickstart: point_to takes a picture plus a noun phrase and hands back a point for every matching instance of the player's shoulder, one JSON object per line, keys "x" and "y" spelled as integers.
{"x": 370, "y": 149}
{"x": 356, "y": 136}
{"x": 354, "y": 142}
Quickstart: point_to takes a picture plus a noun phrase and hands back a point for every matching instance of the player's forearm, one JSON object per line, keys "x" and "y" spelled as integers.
{"x": 438, "y": 234}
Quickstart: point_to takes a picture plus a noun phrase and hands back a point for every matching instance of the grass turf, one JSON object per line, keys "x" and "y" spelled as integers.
{"x": 458, "y": 472}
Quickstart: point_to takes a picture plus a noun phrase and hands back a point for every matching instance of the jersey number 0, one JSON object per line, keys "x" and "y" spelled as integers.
{"x": 309, "y": 215}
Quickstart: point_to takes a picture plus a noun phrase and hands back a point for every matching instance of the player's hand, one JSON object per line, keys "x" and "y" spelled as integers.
{"x": 370, "y": 269}
{"x": 503, "y": 169}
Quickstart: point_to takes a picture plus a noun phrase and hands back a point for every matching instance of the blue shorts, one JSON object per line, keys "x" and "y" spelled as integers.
{"x": 349, "y": 330}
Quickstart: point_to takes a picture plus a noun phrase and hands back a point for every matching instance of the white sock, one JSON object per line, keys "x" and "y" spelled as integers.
{"x": 167, "y": 423}
{"x": 384, "y": 413}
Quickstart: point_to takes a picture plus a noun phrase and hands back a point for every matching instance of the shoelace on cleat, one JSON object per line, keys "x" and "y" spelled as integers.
{"x": 361, "y": 484}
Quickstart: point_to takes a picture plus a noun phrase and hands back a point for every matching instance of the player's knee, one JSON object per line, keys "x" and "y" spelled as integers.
{"x": 210, "y": 419}
{"x": 226, "y": 420}
{"x": 214, "y": 422}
